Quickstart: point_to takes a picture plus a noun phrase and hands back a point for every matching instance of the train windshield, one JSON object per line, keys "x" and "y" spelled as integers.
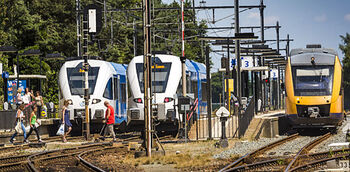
{"x": 312, "y": 80}
{"x": 76, "y": 79}
{"x": 160, "y": 75}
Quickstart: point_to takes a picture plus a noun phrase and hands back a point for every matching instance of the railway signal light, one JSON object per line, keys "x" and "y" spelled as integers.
{"x": 223, "y": 62}
{"x": 138, "y": 100}
{"x": 168, "y": 99}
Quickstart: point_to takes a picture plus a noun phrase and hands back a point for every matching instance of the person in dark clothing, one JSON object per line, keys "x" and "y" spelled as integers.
{"x": 65, "y": 120}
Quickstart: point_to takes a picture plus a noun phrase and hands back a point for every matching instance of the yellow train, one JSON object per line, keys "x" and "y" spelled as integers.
{"x": 314, "y": 88}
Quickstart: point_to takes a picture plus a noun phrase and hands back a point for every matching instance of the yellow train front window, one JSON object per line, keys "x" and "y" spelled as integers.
{"x": 312, "y": 80}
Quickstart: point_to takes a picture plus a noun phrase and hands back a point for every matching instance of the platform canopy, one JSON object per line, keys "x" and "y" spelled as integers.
{"x": 28, "y": 77}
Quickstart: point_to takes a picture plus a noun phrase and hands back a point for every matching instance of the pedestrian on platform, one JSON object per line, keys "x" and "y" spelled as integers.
{"x": 27, "y": 97}
{"x": 33, "y": 124}
{"x": 19, "y": 99}
{"x": 109, "y": 120}
{"x": 65, "y": 120}
{"x": 39, "y": 103}
{"x": 19, "y": 119}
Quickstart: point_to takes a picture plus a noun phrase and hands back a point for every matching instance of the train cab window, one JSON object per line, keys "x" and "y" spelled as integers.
{"x": 108, "y": 90}
{"x": 76, "y": 79}
{"x": 313, "y": 80}
{"x": 115, "y": 88}
{"x": 160, "y": 75}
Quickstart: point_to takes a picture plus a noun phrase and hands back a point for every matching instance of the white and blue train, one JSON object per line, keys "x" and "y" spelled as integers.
{"x": 107, "y": 81}
{"x": 166, "y": 87}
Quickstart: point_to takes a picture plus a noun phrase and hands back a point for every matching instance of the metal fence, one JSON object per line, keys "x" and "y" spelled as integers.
{"x": 245, "y": 117}
{"x": 7, "y": 119}
{"x": 235, "y": 127}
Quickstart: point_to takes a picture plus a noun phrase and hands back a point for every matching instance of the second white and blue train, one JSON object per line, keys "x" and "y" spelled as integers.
{"x": 166, "y": 87}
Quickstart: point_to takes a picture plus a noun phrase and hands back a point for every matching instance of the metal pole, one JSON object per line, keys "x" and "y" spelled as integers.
{"x": 78, "y": 27}
{"x": 227, "y": 97}
{"x": 262, "y": 58}
{"x": 135, "y": 36}
{"x": 147, "y": 69}
{"x": 86, "y": 75}
{"x": 223, "y": 88}
{"x": 287, "y": 48}
{"x": 17, "y": 84}
{"x": 237, "y": 54}
{"x": 40, "y": 84}
{"x": 207, "y": 63}
{"x": 183, "y": 64}
{"x": 278, "y": 76}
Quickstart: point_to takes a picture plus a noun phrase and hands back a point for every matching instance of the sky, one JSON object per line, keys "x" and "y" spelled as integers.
{"x": 306, "y": 21}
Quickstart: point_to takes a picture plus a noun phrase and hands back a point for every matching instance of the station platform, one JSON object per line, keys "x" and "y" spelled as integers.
{"x": 47, "y": 128}
{"x": 269, "y": 124}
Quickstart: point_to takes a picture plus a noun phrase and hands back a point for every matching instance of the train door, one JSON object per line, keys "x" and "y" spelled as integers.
{"x": 122, "y": 95}
{"x": 116, "y": 96}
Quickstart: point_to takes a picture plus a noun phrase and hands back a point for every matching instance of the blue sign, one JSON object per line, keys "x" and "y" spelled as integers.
{"x": 11, "y": 89}
{"x": 5, "y": 74}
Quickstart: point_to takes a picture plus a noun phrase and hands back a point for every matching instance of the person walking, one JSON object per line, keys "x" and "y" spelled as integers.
{"x": 65, "y": 120}
{"x": 109, "y": 120}
{"x": 38, "y": 102}
{"x": 27, "y": 97}
{"x": 19, "y": 99}
{"x": 19, "y": 118}
{"x": 32, "y": 124}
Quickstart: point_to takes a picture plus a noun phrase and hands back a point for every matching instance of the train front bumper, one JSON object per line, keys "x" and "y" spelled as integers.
{"x": 323, "y": 122}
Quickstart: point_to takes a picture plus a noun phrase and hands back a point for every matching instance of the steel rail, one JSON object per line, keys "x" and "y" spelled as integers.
{"x": 32, "y": 164}
{"x": 306, "y": 149}
{"x": 258, "y": 152}
{"x": 273, "y": 162}
{"x": 319, "y": 162}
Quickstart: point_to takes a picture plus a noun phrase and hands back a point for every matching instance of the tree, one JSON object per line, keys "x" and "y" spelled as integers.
{"x": 345, "y": 47}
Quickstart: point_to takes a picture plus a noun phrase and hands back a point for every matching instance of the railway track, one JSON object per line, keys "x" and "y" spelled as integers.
{"x": 250, "y": 156}
{"x": 281, "y": 164}
{"x": 39, "y": 161}
{"x": 303, "y": 151}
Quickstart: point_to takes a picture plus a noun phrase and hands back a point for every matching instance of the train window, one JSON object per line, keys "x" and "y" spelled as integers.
{"x": 108, "y": 90}
{"x": 160, "y": 75}
{"x": 123, "y": 92}
{"x": 312, "y": 80}
{"x": 204, "y": 91}
{"x": 115, "y": 88}
{"x": 76, "y": 79}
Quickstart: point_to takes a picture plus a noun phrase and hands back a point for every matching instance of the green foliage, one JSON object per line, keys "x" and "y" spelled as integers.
{"x": 50, "y": 25}
{"x": 345, "y": 47}
{"x": 216, "y": 87}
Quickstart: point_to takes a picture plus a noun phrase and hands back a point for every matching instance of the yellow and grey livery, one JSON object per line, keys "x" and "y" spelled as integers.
{"x": 314, "y": 89}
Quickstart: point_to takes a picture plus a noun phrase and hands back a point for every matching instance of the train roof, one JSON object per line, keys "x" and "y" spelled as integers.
{"x": 120, "y": 68}
{"x": 321, "y": 56}
{"x": 193, "y": 66}
{"x": 312, "y": 50}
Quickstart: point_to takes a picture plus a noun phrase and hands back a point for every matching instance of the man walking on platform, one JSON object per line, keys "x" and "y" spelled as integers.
{"x": 109, "y": 120}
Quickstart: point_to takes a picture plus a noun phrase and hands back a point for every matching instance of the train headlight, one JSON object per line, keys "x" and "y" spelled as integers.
{"x": 168, "y": 99}
{"x": 94, "y": 101}
{"x": 70, "y": 102}
{"x": 138, "y": 100}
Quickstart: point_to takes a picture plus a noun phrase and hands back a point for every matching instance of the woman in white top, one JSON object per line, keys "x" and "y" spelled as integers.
{"x": 27, "y": 97}
{"x": 19, "y": 99}
{"x": 19, "y": 118}
{"x": 26, "y": 100}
